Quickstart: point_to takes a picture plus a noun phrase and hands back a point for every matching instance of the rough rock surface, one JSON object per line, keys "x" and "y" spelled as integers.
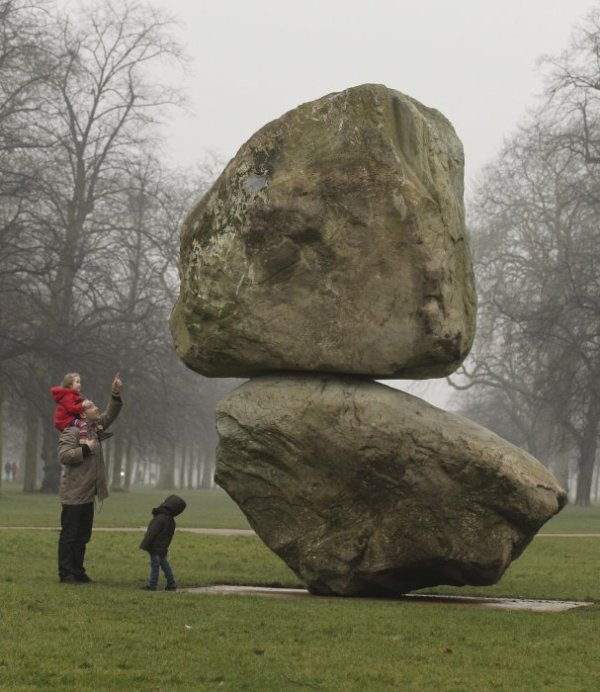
{"x": 362, "y": 489}
{"x": 334, "y": 242}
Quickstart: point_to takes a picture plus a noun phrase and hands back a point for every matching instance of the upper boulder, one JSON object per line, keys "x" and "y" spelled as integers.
{"x": 334, "y": 241}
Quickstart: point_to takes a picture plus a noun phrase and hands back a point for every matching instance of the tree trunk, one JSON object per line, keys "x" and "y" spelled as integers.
{"x": 108, "y": 455}
{"x": 182, "y": 460}
{"x": 208, "y": 473}
{"x": 166, "y": 472}
{"x": 1, "y": 435}
{"x": 128, "y": 463}
{"x": 152, "y": 473}
{"x": 52, "y": 468}
{"x": 587, "y": 461}
{"x": 190, "y": 467}
{"x": 587, "y": 456}
{"x": 30, "y": 455}
{"x": 199, "y": 469}
{"x": 117, "y": 479}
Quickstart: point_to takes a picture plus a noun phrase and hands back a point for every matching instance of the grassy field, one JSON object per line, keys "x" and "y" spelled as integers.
{"x": 206, "y": 508}
{"x": 111, "y": 635}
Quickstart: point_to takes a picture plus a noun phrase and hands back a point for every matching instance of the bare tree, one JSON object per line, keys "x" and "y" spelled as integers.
{"x": 572, "y": 101}
{"x": 101, "y": 105}
{"x": 536, "y": 240}
{"x": 89, "y": 271}
{"x": 25, "y": 64}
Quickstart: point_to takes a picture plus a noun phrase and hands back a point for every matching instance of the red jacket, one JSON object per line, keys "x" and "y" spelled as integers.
{"x": 68, "y": 406}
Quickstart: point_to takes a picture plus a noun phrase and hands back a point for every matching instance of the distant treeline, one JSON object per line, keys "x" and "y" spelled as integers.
{"x": 89, "y": 238}
{"x": 534, "y": 373}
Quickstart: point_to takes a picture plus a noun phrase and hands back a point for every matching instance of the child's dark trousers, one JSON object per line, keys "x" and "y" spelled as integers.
{"x": 160, "y": 562}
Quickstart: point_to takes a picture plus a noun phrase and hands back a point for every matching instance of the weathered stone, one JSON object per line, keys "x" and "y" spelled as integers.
{"x": 362, "y": 489}
{"x": 335, "y": 242}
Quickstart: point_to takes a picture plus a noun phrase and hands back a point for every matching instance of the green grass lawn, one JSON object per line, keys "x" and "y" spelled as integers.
{"x": 205, "y": 508}
{"x": 575, "y": 519}
{"x": 111, "y": 635}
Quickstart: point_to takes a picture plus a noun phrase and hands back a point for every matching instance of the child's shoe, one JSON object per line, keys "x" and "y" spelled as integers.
{"x": 103, "y": 435}
{"x": 148, "y": 588}
{"x": 171, "y": 587}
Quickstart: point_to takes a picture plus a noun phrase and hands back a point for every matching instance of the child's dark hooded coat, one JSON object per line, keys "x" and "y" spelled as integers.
{"x": 162, "y": 526}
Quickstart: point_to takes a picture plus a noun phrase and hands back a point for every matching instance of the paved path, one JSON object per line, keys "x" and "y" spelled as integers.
{"x": 476, "y": 601}
{"x": 206, "y": 532}
{"x": 567, "y": 535}
{"x": 240, "y": 532}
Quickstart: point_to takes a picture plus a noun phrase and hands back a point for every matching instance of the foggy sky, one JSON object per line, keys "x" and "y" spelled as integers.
{"x": 474, "y": 60}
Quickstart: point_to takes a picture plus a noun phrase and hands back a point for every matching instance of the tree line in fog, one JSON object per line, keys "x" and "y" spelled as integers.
{"x": 534, "y": 373}
{"x": 89, "y": 239}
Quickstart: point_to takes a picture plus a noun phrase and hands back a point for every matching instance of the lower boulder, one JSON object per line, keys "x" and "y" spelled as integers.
{"x": 365, "y": 490}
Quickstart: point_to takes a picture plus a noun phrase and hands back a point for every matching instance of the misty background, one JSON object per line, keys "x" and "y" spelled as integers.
{"x": 116, "y": 116}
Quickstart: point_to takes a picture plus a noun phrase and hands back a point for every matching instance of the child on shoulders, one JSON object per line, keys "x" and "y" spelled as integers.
{"x": 69, "y": 407}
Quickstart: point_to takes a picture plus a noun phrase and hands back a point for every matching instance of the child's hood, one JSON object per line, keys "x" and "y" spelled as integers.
{"x": 59, "y": 393}
{"x": 173, "y": 505}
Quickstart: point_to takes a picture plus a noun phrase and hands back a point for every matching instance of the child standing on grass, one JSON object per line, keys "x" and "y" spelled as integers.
{"x": 158, "y": 539}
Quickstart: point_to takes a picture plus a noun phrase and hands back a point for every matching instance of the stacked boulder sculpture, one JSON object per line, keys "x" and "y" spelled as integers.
{"x": 331, "y": 252}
